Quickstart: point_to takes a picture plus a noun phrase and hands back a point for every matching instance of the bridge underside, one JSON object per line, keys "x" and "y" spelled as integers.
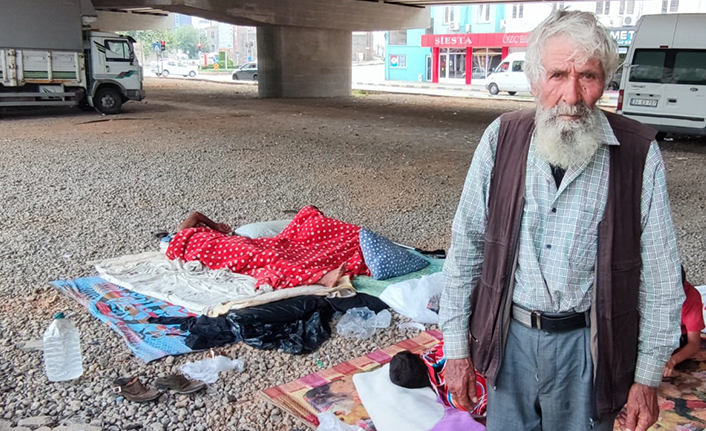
{"x": 304, "y": 46}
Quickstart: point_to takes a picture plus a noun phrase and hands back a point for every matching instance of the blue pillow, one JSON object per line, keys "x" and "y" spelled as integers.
{"x": 387, "y": 259}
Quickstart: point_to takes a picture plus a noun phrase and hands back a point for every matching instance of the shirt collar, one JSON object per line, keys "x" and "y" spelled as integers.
{"x": 605, "y": 131}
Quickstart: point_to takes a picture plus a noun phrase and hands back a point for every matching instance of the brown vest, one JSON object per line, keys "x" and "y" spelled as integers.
{"x": 615, "y": 316}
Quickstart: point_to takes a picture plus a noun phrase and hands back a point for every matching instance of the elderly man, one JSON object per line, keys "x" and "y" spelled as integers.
{"x": 562, "y": 286}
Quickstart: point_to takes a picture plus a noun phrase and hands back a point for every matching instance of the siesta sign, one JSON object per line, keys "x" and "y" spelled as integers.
{"x": 475, "y": 40}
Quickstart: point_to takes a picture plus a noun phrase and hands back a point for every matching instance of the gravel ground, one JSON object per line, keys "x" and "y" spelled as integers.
{"x": 75, "y": 190}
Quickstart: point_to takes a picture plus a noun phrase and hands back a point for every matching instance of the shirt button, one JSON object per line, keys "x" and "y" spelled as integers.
{"x": 549, "y": 246}
{"x": 554, "y": 210}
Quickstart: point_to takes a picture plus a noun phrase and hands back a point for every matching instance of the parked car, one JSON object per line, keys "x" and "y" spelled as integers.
{"x": 177, "y": 68}
{"x": 509, "y": 76}
{"x": 478, "y": 73}
{"x": 247, "y": 71}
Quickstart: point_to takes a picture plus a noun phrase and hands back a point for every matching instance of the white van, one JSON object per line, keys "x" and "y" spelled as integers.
{"x": 664, "y": 76}
{"x": 509, "y": 75}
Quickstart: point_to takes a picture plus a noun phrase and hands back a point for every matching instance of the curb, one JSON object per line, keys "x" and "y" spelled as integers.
{"x": 423, "y": 86}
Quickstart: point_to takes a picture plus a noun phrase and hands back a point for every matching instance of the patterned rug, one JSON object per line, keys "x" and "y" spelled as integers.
{"x": 333, "y": 390}
{"x": 682, "y": 398}
{"x": 126, "y": 312}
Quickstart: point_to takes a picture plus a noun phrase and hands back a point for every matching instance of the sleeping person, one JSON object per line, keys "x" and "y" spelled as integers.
{"x": 312, "y": 249}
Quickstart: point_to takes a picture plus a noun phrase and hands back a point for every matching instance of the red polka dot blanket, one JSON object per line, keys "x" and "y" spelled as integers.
{"x": 308, "y": 248}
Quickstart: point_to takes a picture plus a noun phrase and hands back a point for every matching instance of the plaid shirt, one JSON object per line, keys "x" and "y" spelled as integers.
{"x": 558, "y": 248}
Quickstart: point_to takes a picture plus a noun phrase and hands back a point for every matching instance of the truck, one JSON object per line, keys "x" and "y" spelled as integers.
{"x": 63, "y": 64}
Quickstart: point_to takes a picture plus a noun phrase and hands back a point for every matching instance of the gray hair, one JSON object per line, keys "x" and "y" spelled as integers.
{"x": 584, "y": 30}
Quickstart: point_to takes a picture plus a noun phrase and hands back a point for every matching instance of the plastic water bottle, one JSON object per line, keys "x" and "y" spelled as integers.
{"x": 62, "y": 350}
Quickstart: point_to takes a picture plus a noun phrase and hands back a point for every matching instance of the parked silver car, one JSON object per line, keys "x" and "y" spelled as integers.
{"x": 247, "y": 71}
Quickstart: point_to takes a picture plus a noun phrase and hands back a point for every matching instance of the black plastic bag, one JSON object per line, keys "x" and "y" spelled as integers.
{"x": 296, "y": 325}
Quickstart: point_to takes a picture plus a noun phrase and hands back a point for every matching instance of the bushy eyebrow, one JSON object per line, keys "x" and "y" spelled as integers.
{"x": 552, "y": 72}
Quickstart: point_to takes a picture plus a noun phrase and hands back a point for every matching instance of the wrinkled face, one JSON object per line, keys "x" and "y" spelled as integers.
{"x": 567, "y": 119}
{"x": 568, "y": 78}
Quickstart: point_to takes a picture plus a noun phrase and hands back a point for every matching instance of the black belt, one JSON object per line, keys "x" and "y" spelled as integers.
{"x": 551, "y": 322}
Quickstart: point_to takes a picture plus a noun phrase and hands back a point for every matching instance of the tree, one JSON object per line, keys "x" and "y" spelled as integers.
{"x": 187, "y": 38}
{"x": 148, "y": 37}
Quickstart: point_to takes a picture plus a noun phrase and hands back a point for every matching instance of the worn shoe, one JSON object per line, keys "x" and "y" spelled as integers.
{"x": 179, "y": 384}
{"x": 132, "y": 389}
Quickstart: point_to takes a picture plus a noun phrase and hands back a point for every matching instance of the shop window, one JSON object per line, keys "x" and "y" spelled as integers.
{"x": 518, "y": 10}
{"x": 398, "y": 37}
{"x": 484, "y": 13}
{"x": 603, "y": 7}
{"x": 631, "y": 7}
{"x": 670, "y": 5}
{"x": 450, "y": 13}
{"x": 627, "y": 6}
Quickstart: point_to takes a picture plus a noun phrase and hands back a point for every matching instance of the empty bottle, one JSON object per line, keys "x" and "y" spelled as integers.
{"x": 62, "y": 350}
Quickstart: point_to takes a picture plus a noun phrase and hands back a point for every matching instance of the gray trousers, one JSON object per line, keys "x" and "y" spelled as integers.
{"x": 545, "y": 383}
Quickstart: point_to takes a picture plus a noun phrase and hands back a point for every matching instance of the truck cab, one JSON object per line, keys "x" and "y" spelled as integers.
{"x": 114, "y": 74}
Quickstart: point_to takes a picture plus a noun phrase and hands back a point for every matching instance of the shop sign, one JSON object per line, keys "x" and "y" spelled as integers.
{"x": 622, "y": 35}
{"x": 475, "y": 40}
{"x": 446, "y": 40}
{"x": 398, "y": 61}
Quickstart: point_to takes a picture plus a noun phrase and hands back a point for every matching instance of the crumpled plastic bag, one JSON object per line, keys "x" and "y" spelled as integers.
{"x": 361, "y": 322}
{"x": 207, "y": 370}
{"x": 329, "y": 422}
{"x": 296, "y": 325}
{"x": 417, "y": 298}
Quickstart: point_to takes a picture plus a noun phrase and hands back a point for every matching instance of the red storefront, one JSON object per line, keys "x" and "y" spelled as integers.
{"x": 454, "y": 54}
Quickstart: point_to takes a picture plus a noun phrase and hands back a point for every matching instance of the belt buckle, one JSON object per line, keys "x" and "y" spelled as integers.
{"x": 536, "y": 319}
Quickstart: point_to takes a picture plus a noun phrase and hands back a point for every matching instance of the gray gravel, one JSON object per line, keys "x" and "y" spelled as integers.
{"x": 75, "y": 190}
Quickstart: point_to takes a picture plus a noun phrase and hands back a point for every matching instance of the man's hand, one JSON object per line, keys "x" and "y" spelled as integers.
{"x": 641, "y": 411}
{"x": 461, "y": 381}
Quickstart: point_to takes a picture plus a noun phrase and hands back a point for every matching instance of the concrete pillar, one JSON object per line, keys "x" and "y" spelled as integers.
{"x": 295, "y": 62}
{"x": 505, "y": 52}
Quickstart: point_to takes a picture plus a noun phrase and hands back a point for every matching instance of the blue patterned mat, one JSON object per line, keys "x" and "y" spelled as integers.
{"x": 126, "y": 312}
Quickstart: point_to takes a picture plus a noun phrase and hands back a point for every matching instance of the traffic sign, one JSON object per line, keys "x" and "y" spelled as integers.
{"x": 157, "y": 46}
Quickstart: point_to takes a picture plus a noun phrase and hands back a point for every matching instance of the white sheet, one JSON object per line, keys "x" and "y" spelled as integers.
{"x": 197, "y": 288}
{"x": 394, "y": 408}
{"x": 188, "y": 284}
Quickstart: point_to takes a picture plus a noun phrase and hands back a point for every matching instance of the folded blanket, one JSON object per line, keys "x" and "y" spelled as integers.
{"x": 311, "y": 246}
{"x": 199, "y": 289}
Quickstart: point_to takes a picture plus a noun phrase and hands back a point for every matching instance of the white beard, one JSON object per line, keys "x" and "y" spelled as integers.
{"x": 565, "y": 143}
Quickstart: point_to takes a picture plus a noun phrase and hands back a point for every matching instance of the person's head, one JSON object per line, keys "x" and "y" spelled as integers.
{"x": 409, "y": 371}
{"x": 570, "y": 59}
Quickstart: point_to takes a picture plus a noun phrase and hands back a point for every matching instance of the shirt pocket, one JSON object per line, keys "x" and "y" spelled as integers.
{"x": 583, "y": 240}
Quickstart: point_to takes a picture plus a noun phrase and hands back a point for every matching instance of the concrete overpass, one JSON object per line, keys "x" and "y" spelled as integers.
{"x": 304, "y": 46}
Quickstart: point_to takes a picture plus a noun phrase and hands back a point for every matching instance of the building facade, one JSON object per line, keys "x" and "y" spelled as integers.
{"x": 477, "y": 37}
